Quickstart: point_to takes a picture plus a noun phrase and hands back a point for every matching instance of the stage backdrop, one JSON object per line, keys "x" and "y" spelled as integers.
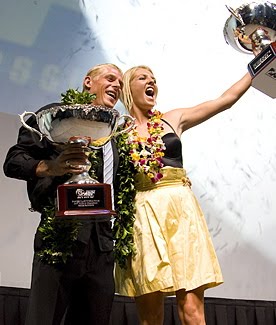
{"x": 47, "y": 46}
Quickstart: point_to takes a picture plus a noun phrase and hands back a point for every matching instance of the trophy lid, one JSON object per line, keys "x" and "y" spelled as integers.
{"x": 252, "y": 25}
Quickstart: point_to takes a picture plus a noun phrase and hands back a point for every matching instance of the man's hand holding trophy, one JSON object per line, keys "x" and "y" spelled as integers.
{"x": 251, "y": 28}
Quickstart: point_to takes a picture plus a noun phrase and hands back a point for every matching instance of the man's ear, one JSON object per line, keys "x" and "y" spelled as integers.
{"x": 87, "y": 82}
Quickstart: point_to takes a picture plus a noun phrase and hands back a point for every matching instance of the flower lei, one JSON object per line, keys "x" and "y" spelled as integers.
{"x": 124, "y": 203}
{"x": 58, "y": 237}
{"x": 143, "y": 155}
{"x": 146, "y": 153}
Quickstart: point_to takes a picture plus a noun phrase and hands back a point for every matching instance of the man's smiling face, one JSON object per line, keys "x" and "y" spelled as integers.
{"x": 107, "y": 85}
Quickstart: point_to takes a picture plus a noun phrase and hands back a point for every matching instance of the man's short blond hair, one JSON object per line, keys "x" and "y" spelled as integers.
{"x": 96, "y": 70}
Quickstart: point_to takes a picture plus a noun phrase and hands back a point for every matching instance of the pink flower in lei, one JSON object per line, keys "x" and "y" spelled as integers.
{"x": 146, "y": 153}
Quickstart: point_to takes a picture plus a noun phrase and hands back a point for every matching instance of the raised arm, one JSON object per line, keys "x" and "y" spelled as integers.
{"x": 186, "y": 118}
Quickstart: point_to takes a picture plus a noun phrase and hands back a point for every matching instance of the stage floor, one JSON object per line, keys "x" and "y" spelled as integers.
{"x": 219, "y": 311}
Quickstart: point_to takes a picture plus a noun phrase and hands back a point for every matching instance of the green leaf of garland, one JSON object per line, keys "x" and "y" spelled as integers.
{"x": 124, "y": 201}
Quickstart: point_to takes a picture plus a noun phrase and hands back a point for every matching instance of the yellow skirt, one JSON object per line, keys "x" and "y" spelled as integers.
{"x": 174, "y": 247}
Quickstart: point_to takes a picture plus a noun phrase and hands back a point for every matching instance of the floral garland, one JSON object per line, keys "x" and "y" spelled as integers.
{"x": 124, "y": 203}
{"x": 58, "y": 237}
{"x": 146, "y": 153}
{"x": 141, "y": 155}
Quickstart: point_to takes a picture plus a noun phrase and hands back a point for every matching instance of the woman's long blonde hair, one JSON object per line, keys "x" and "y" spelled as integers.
{"x": 126, "y": 95}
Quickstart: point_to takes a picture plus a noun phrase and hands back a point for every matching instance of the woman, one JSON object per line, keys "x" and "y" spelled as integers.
{"x": 174, "y": 251}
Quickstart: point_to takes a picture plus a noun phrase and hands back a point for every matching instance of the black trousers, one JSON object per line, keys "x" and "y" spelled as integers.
{"x": 82, "y": 291}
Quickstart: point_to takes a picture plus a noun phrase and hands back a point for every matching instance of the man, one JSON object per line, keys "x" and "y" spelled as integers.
{"x": 89, "y": 272}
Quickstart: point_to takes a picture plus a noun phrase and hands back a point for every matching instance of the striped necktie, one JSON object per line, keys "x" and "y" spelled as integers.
{"x": 108, "y": 167}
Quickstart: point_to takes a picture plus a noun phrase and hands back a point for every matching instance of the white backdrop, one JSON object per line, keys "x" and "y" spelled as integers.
{"x": 47, "y": 46}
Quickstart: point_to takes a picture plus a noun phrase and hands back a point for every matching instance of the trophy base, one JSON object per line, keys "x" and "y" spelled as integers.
{"x": 84, "y": 200}
{"x": 263, "y": 70}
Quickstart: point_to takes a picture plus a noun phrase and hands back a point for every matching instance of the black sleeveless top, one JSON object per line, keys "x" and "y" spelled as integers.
{"x": 173, "y": 153}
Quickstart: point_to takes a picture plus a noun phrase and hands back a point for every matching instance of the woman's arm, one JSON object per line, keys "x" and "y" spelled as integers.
{"x": 185, "y": 118}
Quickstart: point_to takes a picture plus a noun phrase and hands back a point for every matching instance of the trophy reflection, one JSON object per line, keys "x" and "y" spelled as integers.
{"x": 84, "y": 177}
{"x": 92, "y": 127}
{"x": 251, "y": 28}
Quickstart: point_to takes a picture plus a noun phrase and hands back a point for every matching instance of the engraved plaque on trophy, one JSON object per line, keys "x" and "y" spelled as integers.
{"x": 93, "y": 127}
{"x": 251, "y": 28}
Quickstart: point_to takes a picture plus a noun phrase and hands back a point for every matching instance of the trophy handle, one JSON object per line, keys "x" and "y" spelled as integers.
{"x": 102, "y": 141}
{"x": 132, "y": 124}
{"x": 22, "y": 119}
{"x": 237, "y": 16}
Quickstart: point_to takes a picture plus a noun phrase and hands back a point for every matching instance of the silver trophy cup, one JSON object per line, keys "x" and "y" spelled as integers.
{"x": 92, "y": 126}
{"x": 251, "y": 29}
